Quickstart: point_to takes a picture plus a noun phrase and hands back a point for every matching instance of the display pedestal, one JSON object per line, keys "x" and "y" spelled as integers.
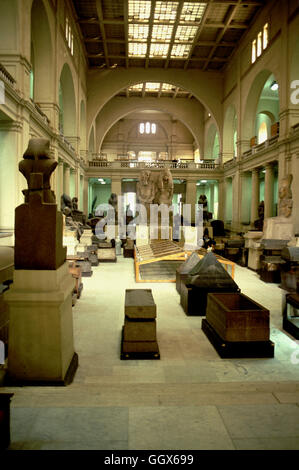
{"x": 41, "y": 345}
{"x": 278, "y": 228}
{"x": 252, "y": 242}
{"x": 86, "y": 237}
{"x": 71, "y": 242}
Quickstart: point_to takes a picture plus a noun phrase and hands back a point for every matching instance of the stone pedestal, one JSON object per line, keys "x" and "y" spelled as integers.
{"x": 252, "y": 242}
{"x": 41, "y": 347}
{"x": 278, "y": 228}
{"x": 139, "y": 339}
{"x": 71, "y": 242}
{"x": 86, "y": 237}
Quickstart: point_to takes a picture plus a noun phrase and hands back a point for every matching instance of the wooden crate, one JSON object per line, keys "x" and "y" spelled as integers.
{"x": 236, "y": 317}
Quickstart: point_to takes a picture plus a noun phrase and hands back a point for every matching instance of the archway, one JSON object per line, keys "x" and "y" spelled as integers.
{"x": 229, "y": 133}
{"x": 41, "y": 55}
{"x": 259, "y": 101}
{"x": 67, "y": 103}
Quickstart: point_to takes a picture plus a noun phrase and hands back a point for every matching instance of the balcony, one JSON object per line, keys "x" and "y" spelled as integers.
{"x": 174, "y": 166}
{"x": 267, "y": 145}
{"x": 5, "y": 76}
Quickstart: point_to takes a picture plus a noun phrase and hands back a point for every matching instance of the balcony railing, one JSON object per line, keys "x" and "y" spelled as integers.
{"x": 117, "y": 164}
{"x": 263, "y": 146}
{"x": 5, "y": 75}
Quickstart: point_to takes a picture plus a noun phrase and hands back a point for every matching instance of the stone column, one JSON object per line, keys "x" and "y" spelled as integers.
{"x": 191, "y": 196}
{"x": 269, "y": 182}
{"x": 255, "y": 195}
{"x": 116, "y": 185}
{"x": 66, "y": 179}
{"x": 85, "y": 196}
{"x": 236, "y": 200}
{"x": 245, "y": 208}
{"x": 221, "y": 200}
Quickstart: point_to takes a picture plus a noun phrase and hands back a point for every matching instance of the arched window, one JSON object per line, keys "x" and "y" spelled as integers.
{"x": 148, "y": 128}
{"x": 263, "y": 133}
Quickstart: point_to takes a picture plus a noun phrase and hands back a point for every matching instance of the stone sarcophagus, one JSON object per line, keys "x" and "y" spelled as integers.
{"x": 237, "y": 326}
{"x": 207, "y": 276}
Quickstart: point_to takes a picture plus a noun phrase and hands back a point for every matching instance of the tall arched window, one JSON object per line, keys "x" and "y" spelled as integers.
{"x": 263, "y": 133}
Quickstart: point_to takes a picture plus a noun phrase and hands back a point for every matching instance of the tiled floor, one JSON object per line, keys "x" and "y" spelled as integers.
{"x": 189, "y": 399}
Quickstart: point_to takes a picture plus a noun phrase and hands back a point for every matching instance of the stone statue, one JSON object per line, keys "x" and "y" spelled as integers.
{"x": 38, "y": 225}
{"x": 145, "y": 188}
{"x": 72, "y": 224}
{"x": 285, "y": 197}
{"x": 164, "y": 188}
{"x": 37, "y": 159}
{"x": 258, "y": 224}
{"x": 66, "y": 201}
{"x": 113, "y": 201}
{"x": 75, "y": 203}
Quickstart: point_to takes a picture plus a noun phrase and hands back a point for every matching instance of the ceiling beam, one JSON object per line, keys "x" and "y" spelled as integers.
{"x": 177, "y": 19}
{"x": 229, "y": 17}
{"x": 126, "y": 29}
{"x": 150, "y": 30}
{"x": 102, "y": 28}
{"x": 199, "y": 31}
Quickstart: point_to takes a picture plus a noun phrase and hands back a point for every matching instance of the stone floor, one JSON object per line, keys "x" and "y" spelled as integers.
{"x": 189, "y": 399}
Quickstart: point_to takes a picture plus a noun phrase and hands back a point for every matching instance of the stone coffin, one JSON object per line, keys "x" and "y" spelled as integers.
{"x": 235, "y": 317}
{"x": 210, "y": 277}
{"x": 237, "y": 326}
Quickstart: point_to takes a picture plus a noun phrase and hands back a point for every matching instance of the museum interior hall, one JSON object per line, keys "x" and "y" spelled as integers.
{"x": 149, "y": 225}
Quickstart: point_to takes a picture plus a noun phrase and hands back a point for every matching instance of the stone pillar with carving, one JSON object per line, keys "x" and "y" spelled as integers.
{"x": 41, "y": 346}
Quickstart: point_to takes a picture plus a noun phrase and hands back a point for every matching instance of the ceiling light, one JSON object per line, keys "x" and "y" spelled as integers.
{"x": 274, "y": 86}
{"x": 204, "y": 181}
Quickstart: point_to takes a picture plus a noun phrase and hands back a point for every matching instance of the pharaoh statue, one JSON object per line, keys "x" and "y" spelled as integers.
{"x": 285, "y": 197}
{"x": 281, "y": 227}
{"x": 164, "y": 188}
{"x": 145, "y": 188}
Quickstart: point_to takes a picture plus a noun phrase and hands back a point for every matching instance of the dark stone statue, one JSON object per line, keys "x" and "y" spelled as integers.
{"x": 38, "y": 225}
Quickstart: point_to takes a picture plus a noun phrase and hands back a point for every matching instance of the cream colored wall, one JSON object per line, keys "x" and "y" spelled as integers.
{"x": 190, "y": 112}
{"x": 171, "y": 136}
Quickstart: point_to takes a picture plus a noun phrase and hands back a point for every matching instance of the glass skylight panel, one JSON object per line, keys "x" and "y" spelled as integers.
{"x": 137, "y": 49}
{"x": 137, "y": 87}
{"x": 185, "y": 33}
{"x": 165, "y": 11}
{"x": 162, "y": 32}
{"x": 138, "y": 32}
{"x": 192, "y": 12}
{"x": 166, "y": 87}
{"x": 159, "y": 50}
{"x": 152, "y": 86}
{"x": 139, "y": 10}
{"x": 180, "y": 50}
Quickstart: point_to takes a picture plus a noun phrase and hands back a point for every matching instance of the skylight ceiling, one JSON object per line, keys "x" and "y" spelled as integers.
{"x": 155, "y": 89}
{"x": 167, "y": 34}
